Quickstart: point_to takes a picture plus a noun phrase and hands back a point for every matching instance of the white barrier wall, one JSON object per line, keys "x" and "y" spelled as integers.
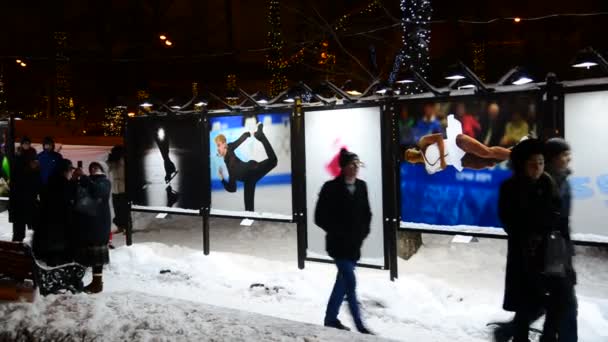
{"x": 586, "y": 129}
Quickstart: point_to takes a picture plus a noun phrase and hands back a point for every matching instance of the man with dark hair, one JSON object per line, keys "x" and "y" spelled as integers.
{"x": 561, "y": 292}
{"x": 344, "y": 213}
{"x": 48, "y": 159}
{"x": 25, "y": 186}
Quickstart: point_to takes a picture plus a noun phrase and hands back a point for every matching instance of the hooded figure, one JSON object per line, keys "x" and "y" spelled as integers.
{"x": 48, "y": 159}
{"x": 561, "y": 290}
{"x": 344, "y": 213}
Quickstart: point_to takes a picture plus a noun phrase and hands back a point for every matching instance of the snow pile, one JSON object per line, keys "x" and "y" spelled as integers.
{"x": 132, "y": 316}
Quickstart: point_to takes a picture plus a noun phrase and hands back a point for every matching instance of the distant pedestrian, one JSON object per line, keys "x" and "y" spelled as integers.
{"x": 25, "y": 186}
{"x": 48, "y": 159}
{"x": 120, "y": 202}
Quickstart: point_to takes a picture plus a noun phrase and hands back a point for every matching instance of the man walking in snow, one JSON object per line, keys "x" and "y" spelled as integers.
{"x": 343, "y": 211}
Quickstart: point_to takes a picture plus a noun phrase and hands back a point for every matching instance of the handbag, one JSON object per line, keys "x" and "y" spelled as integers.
{"x": 556, "y": 255}
{"x": 85, "y": 204}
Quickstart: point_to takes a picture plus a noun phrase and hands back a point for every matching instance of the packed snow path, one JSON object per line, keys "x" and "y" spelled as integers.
{"x": 133, "y": 316}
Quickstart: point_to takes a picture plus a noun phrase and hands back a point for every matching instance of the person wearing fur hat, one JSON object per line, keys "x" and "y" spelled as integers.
{"x": 562, "y": 293}
{"x": 344, "y": 213}
{"x": 529, "y": 208}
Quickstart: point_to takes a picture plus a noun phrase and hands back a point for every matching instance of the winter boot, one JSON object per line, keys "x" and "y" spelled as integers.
{"x": 337, "y": 324}
{"x": 96, "y": 286}
{"x": 365, "y": 331}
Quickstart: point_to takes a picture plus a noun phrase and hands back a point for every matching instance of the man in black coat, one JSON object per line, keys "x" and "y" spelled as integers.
{"x": 343, "y": 211}
{"x": 25, "y": 186}
{"x": 529, "y": 210}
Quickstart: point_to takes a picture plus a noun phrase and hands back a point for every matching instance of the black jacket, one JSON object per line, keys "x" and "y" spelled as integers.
{"x": 52, "y": 234}
{"x": 346, "y": 218}
{"x": 24, "y": 188}
{"x": 529, "y": 211}
{"x": 94, "y": 230}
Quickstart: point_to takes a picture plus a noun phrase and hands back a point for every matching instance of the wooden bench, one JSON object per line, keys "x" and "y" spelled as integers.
{"x": 21, "y": 274}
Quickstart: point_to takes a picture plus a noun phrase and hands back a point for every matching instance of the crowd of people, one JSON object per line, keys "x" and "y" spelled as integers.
{"x": 67, "y": 209}
{"x": 489, "y": 123}
{"x": 534, "y": 207}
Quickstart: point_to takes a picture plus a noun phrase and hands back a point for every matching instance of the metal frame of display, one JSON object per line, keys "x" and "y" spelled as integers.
{"x": 143, "y": 209}
{"x": 550, "y": 121}
{"x": 550, "y": 99}
{"x": 389, "y": 168}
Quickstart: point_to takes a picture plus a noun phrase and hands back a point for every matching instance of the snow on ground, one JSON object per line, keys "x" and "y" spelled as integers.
{"x": 133, "y": 316}
{"x": 446, "y": 292}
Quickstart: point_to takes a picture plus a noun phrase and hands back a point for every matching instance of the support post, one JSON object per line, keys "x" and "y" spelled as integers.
{"x": 390, "y": 170}
{"x": 206, "y": 208}
{"x": 129, "y": 232}
{"x": 298, "y": 183}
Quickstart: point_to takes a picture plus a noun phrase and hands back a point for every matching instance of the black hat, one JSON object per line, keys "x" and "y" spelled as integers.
{"x": 346, "y": 157}
{"x": 554, "y": 147}
{"x": 48, "y": 141}
{"x": 523, "y": 151}
{"x": 64, "y": 165}
{"x": 26, "y": 140}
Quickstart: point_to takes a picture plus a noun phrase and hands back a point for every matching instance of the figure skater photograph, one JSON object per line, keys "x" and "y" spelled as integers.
{"x": 166, "y": 163}
{"x": 459, "y": 150}
{"x": 250, "y": 172}
{"x": 251, "y": 163}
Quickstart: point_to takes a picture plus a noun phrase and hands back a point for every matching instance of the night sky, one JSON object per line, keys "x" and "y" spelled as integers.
{"x": 114, "y": 49}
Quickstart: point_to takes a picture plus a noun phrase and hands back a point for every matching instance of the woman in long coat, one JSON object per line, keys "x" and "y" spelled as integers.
{"x": 93, "y": 223}
{"x": 529, "y": 210}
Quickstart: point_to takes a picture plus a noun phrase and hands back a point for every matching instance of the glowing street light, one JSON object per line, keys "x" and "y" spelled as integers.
{"x": 18, "y": 61}
{"x": 131, "y": 114}
{"x": 517, "y": 19}
{"x": 168, "y": 43}
{"x": 23, "y": 64}
{"x": 163, "y": 37}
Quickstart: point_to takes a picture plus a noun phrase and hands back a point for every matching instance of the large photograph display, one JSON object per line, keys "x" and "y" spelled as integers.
{"x": 357, "y": 130}
{"x": 165, "y": 164}
{"x": 250, "y": 161}
{"x": 455, "y": 156}
{"x": 585, "y": 125}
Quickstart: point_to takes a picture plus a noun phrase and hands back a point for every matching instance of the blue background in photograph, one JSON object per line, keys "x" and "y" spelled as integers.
{"x": 450, "y": 197}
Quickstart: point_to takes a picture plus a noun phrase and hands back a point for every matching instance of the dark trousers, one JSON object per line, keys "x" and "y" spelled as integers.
{"x": 120, "y": 202}
{"x": 560, "y": 308}
{"x": 345, "y": 285}
{"x": 19, "y": 231}
{"x": 256, "y": 171}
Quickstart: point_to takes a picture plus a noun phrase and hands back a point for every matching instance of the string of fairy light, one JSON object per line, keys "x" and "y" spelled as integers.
{"x": 274, "y": 60}
{"x": 416, "y": 39}
{"x": 114, "y": 121}
{"x": 65, "y": 102}
{"x": 3, "y": 102}
{"x": 344, "y": 20}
